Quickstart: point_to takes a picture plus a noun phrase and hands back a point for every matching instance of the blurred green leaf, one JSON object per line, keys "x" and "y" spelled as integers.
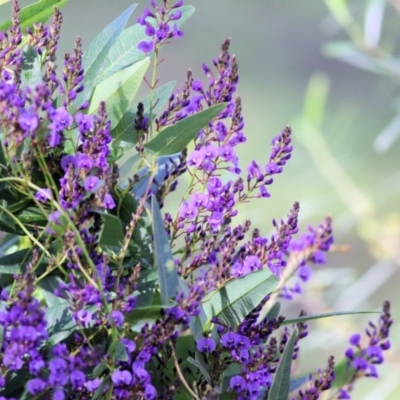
{"x": 111, "y": 233}
{"x": 37, "y": 12}
{"x": 274, "y": 311}
{"x": 340, "y": 10}
{"x": 167, "y": 274}
{"x": 3, "y": 2}
{"x": 175, "y": 138}
{"x": 31, "y": 68}
{"x": 281, "y": 384}
{"x": 144, "y": 314}
{"x": 118, "y": 91}
{"x": 160, "y": 98}
{"x": 232, "y": 302}
{"x": 343, "y": 372}
{"x": 48, "y": 284}
{"x": 94, "y": 57}
{"x": 13, "y": 263}
{"x": 326, "y": 315}
{"x": 126, "y": 169}
{"x": 296, "y": 383}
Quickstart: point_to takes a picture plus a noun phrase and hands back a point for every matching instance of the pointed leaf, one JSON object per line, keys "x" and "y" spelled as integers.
{"x": 13, "y": 263}
{"x": 111, "y": 232}
{"x": 281, "y": 385}
{"x": 144, "y": 314}
{"x": 60, "y": 321}
{"x": 175, "y": 138}
{"x": 126, "y": 169}
{"x": 48, "y": 284}
{"x": 124, "y": 134}
{"x": 119, "y": 90}
{"x": 95, "y": 56}
{"x": 237, "y": 298}
{"x": 164, "y": 260}
{"x": 37, "y": 12}
{"x": 325, "y": 315}
{"x": 274, "y": 311}
{"x": 31, "y": 67}
{"x": 125, "y": 51}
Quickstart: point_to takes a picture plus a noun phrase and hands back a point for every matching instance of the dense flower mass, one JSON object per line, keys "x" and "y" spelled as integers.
{"x": 108, "y": 297}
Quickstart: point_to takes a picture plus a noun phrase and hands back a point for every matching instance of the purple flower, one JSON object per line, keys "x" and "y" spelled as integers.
{"x": 146, "y": 46}
{"x": 252, "y": 262}
{"x": 77, "y": 379}
{"x": 355, "y": 339}
{"x": 150, "y": 392}
{"x": 237, "y": 383}
{"x": 238, "y": 269}
{"x": 230, "y": 340}
{"x": 28, "y": 121}
{"x": 206, "y": 345}
{"x": 57, "y": 365}
{"x": 91, "y": 386}
{"x": 188, "y": 211}
{"x": 117, "y": 317}
{"x": 120, "y": 378}
{"x": 85, "y": 162}
{"x": 58, "y": 395}
{"x": 304, "y": 272}
{"x": 83, "y": 317}
{"x": 66, "y": 161}
{"x": 92, "y": 183}
{"x": 108, "y": 201}
{"x": 43, "y": 195}
{"x": 85, "y": 122}
{"x": 36, "y": 386}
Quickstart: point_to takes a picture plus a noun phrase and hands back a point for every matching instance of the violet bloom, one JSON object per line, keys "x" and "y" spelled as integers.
{"x": 66, "y": 161}
{"x": 28, "y": 121}
{"x": 43, "y": 195}
{"x": 83, "y": 317}
{"x": 252, "y": 262}
{"x": 238, "y": 269}
{"x": 77, "y": 379}
{"x": 188, "y": 211}
{"x": 121, "y": 378}
{"x": 85, "y": 122}
{"x": 117, "y": 317}
{"x": 36, "y": 386}
{"x": 206, "y": 345}
{"x": 237, "y": 383}
{"x": 92, "y": 183}
{"x": 146, "y": 46}
{"x": 150, "y": 392}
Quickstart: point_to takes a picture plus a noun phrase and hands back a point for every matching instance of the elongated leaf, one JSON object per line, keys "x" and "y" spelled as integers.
{"x": 160, "y": 98}
{"x": 146, "y": 288}
{"x": 344, "y": 371}
{"x": 144, "y": 314}
{"x": 60, "y": 321}
{"x": 167, "y": 273}
{"x": 111, "y": 232}
{"x": 164, "y": 164}
{"x": 37, "y": 12}
{"x": 126, "y": 169}
{"x": 31, "y": 68}
{"x": 296, "y": 383}
{"x": 281, "y": 385}
{"x": 274, "y": 311}
{"x": 13, "y": 263}
{"x": 125, "y": 51}
{"x": 48, "y": 285}
{"x": 3, "y": 2}
{"x": 95, "y": 56}
{"x": 102, "y": 387}
{"x": 119, "y": 90}
{"x": 236, "y": 299}
{"x": 325, "y": 315}
{"x": 124, "y": 134}
{"x": 176, "y": 137}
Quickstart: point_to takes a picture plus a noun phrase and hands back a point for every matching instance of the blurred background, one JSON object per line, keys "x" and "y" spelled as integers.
{"x": 328, "y": 69}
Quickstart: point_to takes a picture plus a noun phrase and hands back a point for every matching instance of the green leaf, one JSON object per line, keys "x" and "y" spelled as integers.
{"x": 274, "y": 311}
{"x": 37, "y": 12}
{"x": 3, "y": 2}
{"x": 150, "y": 313}
{"x": 160, "y": 98}
{"x": 13, "y": 263}
{"x": 164, "y": 260}
{"x": 48, "y": 284}
{"x": 106, "y": 382}
{"x": 31, "y": 67}
{"x": 32, "y": 215}
{"x": 344, "y": 371}
{"x": 175, "y": 138}
{"x": 201, "y": 364}
{"x": 325, "y": 315}
{"x": 119, "y": 90}
{"x": 124, "y": 52}
{"x": 60, "y": 321}
{"x": 96, "y": 54}
{"x": 124, "y": 134}
{"x": 296, "y": 383}
{"x": 111, "y": 233}
{"x": 233, "y": 302}
{"x": 146, "y": 287}
{"x": 126, "y": 169}
{"x": 281, "y": 385}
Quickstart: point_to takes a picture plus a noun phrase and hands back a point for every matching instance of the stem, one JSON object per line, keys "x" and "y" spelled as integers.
{"x": 180, "y": 374}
